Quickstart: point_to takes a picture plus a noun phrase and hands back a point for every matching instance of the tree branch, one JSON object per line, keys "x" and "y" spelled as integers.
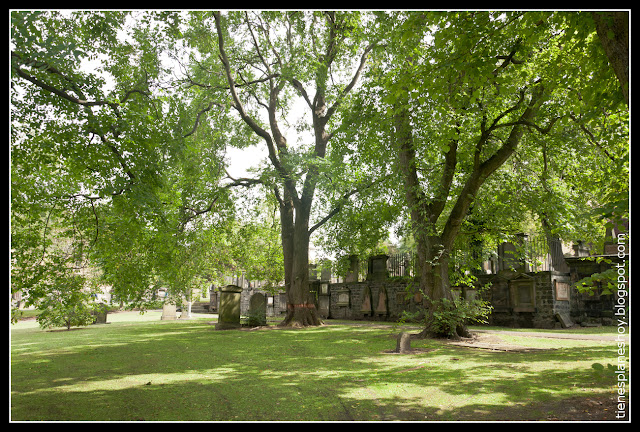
{"x": 482, "y": 171}
{"x": 343, "y": 200}
{"x": 237, "y": 104}
{"x": 354, "y": 80}
{"x": 81, "y": 100}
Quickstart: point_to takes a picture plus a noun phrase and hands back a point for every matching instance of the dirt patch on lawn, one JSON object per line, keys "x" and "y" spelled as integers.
{"x": 493, "y": 342}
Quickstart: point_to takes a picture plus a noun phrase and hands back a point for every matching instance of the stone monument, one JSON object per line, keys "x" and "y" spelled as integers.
{"x": 258, "y": 310}
{"x": 229, "y": 312}
{"x": 168, "y": 311}
{"x": 377, "y": 268}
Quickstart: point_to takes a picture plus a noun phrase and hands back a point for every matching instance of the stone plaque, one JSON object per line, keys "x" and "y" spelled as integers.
{"x": 324, "y": 289}
{"x": 343, "y": 298}
{"x": 562, "y": 290}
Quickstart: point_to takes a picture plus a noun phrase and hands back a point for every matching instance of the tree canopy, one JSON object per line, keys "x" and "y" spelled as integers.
{"x": 425, "y": 121}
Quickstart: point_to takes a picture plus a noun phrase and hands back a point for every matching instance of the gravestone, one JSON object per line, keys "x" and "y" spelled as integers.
{"x": 366, "y": 307}
{"x": 564, "y": 319}
{"x": 381, "y": 308}
{"x": 257, "y": 310}
{"x": 354, "y": 266}
{"x": 100, "y": 314}
{"x": 229, "y": 311}
{"x": 377, "y": 268}
{"x": 324, "y": 300}
{"x": 168, "y": 312}
{"x": 403, "y": 344}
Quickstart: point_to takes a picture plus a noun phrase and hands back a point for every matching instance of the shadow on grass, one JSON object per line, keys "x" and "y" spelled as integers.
{"x": 188, "y": 371}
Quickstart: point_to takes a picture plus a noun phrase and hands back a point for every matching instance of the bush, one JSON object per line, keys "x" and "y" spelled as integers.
{"x": 65, "y": 304}
{"x": 449, "y": 315}
{"x": 255, "y": 319}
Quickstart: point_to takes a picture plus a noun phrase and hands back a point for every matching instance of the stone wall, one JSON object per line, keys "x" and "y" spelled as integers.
{"x": 534, "y": 299}
{"x": 596, "y": 308}
{"x": 381, "y": 300}
{"x": 544, "y": 299}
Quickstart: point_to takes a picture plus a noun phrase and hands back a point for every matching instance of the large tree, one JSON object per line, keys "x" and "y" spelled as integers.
{"x": 267, "y": 59}
{"x": 107, "y": 157}
{"x": 459, "y": 93}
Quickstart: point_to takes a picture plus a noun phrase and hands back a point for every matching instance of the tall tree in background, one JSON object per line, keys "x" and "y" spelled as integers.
{"x": 267, "y": 58}
{"x": 105, "y": 155}
{"x": 461, "y": 92}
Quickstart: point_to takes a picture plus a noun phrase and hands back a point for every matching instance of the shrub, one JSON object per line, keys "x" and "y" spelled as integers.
{"x": 449, "y": 315}
{"x": 65, "y": 304}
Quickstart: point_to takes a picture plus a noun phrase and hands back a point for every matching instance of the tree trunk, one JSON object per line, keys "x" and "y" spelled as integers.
{"x": 613, "y": 32}
{"x": 301, "y": 309}
{"x": 287, "y": 234}
{"x": 435, "y": 286}
{"x": 432, "y": 254}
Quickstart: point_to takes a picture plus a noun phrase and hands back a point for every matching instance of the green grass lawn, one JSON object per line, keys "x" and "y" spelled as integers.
{"x": 173, "y": 370}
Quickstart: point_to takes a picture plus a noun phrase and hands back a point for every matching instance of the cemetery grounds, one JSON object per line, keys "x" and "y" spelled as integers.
{"x": 138, "y": 368}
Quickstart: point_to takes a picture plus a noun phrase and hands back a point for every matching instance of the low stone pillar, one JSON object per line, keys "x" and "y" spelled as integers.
{"x": 354, "y": 266}
{"x": 229, "y": 311}
{"x": 403, "y": 343}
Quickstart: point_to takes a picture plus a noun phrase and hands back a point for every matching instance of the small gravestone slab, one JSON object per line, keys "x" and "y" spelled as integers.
{"x": 168, "y": 312}
{"x": 564, "y": 319}
{"x": 257, "y": 310}
{"x": 403, "y": 344}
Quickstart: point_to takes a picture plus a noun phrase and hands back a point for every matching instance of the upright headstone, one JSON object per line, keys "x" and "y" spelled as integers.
{"x": 377, "y": 269}
{"x": 325, "y": 274}
{"x": 100, "y": 314}
{"x": 366, "y": 307}
{"x": 229, "y": 311}
{"x": 509, "y": 255}
{"x": 381, "y": 308}
{"x": 258, "y": 310}
{"x": 168, "y": 311}
{"x": 324, "y": 300}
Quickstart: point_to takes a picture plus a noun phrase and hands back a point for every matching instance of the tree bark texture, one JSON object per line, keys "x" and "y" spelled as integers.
{"x": 613, "y": 32}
